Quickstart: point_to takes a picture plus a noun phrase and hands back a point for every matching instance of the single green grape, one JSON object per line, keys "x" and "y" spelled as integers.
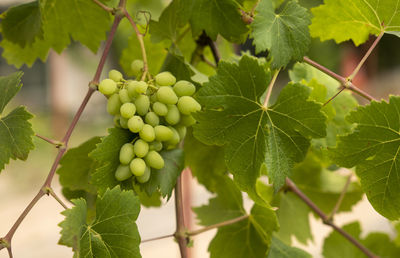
{"x": 123, "y": 122}
{"x": 123, "y": 172}
{"x": 107, "y": 86}
{"x": 113, "y": 104}
{"x": 137, "y": 166}
{"x": 128, "y": 110}
{"x": 165, "y": 79}
{"x": 135, "y": 124}
{"x": 184, "y": 88}
{"x": 117, "y": 121}
{"x": 171, "y": 143}
{"x": 147, "y": 133}
{"x": 141, "y": 87}
{"x": 115, "y": 75}
{"x": 154, "y": 160}
{"x": 145, "y": 177}
{"x": 131, "y": 88}
{"x": 156, "y": 145}
{"x": 173, "y": 116}
{"x": 137, "y": 67}
{"x": 126, "y": 154}
{"x": 140, "y": 147}
{"x": 187, "y": 120}
{"x": 160, "y": 109}
{"x": 188, "y": 105}
{"x": 142, "y": 104}
{"x": 181, "y": 129}
{"x": 163, "y": 133}
{"x": 124, "y": 96}
{"x": 152, "y": 119}
{"x": 166, "y": 95}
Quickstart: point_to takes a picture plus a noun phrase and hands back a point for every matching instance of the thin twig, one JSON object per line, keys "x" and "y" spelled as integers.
{"x": 218, "y": 225}
{"x": 58, "y": 199}
{"x": 270, "y": 86}
{"x": 9, "y": 252}
{"x": 51, "y": 141}
{"x": 359, "y": 91}
{"x": 334, "y": 96}
{"x": 292, "y": 186}
{"x": 157, "y": 238}
{"x": 105, "y": 7}
{"x": 205, "y": 60}
{"x": 180, "y": 234}
{"x": 340, "y": 200}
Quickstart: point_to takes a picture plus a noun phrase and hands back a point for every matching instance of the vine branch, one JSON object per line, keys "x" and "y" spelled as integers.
{"x": 56, "y": 143}
{"x": 340, "y": 200}
{"x": 180, "y": 234}
{"x": 218, "y": 225}
{"x": 292, "y": 186}
{"x": 157, "y": 238}
{"x": 105, "y": 7}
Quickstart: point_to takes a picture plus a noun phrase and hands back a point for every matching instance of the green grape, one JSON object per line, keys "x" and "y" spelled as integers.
{"x": 167, "y": 95}
{"x": 160, "y": 109}
{"x": 145, "y": 177}
{"x": 124, "y": 96}
{"x": 163, "y": 133}
{"x": 173, "y": 116}
{"x": 140, "y": 147}
{"x": 154, "y": 160}
{"x": 141, "y": 87}
{"x": 187, "y": 120}
{"x": 131, "y": 87}
{"x": 165, "y": 79}
{"x": 113, "y": 104}
{"x": 117, "y": 121}
{"x": 156, "y": 145}
{"x": 137, "y": 67}
{"x": 137, "y": 166}
{"x": 147, "y": 133}
{"x": 152, "y": 119}
{"x": 184, "y": 88}
{"x": 187, "y": 105}
{"x": 123, "y": 122}
{"x": 115, "y": 75}
{"x": 181, "y": 129}
{"x": 142, "y": 104}
{"x": 107, "y": 86}
{"x": 171, "y": 143}
{"x": 122, "y": 173}
{"x": 127, "y": 110}
{"x": 126, "y": 154}
{"x": 135, "y": 124}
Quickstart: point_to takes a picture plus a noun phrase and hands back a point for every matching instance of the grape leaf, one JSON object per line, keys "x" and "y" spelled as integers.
{"x": 112, "y": 233}
{"x": 218, "y": 17}
{"x": 284, "y": 34}
{"x": 106, "y": 156}
{"x": 281, "y": 250}
{"x": 76, "y": 167}
{"x": 147, "y": 201}
{"x": 22, "y": 24}
{"x": 373, "y": 148}
{"x": 178, "y": 67}
{"x": 15, "y": 129}
{"x": 344, "y": 20}
{"x": 252, "y": 134}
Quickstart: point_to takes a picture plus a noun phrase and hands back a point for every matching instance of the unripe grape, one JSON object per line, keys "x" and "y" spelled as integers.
{"x": 181, "y": 129}
{"x": 165, "y": 79}
{"x": 141, "y": 87}
{"x": 115, "y": 75}
{"x": 154, "y": 160}
{"x": 160, "y": 109}
{"x": 135, "y": 124}
{"x": 107, "y": 86}
{"x": 163, "y": 133}
{"x": 147, "y": 133}
{"x": 140, "y": 147}
{"x": 122, "y": 173}
{"x": 137, "y": 67}
{"x": 131, "y": 87}
{"x": 145, "y": 177}
{"x": 137, "y": 166}
{"x": 187, "y": 120}
{"x": 173, "y": 116}
{"x": 113, "y": 104}
{"x": 126, "y": 154}
{"x": 152, "y": 119}
{"x": 117, "y": 121}
{"x": 127, "y": 110}
{"x": 184, "y": 88}
{"x": 124, "y": 96}
{"x": 123, "y": 122}
{"x": 167, "y": 95}
{"x": 156, "y": 145}
{"x": 171, "y": 143}
{"x": 142, "y": 104}
{"x": 187, "y": 105}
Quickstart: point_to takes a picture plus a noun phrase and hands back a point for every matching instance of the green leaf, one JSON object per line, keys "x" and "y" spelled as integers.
{"x": 112, "y": 233}
{"x": 15, "y": 129}
{"x": 22, "y": 24}
{"x": 76, "y": 167}
{"x": 165, "y": 179}
{"x": 252, "y": 134}
{"x": 176, "y": 64}
{"x": 218, "y": 17}
{"x": 373, "y": 148}
{"x": 284, "y": 34}
{"x": 343, "y": 20}
{"x": 281, "y": 250}
{"x": 106, "y": 156}
{"x": 147, "y": 201}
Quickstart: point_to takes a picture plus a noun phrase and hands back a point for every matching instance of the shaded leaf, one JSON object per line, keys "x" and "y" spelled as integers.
{"x": 281, "y": 250}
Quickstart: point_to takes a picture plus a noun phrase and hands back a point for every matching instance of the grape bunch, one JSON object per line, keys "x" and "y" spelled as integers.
{"x": 157, "y": 112}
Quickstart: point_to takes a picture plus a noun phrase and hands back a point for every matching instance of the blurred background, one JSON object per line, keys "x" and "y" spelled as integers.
{"x": 53, "y": 92}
